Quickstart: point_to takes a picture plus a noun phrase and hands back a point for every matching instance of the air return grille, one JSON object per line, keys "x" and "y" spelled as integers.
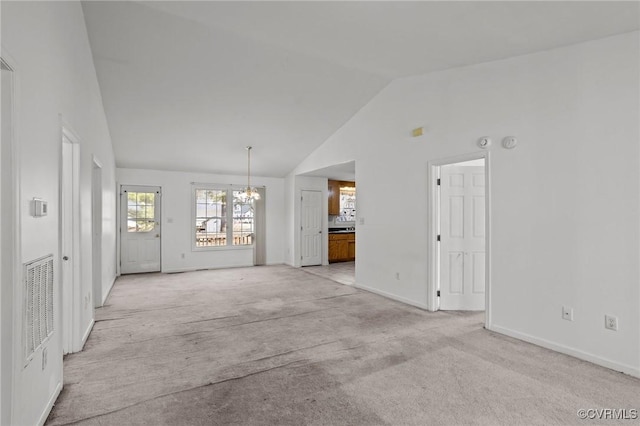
{"x": 38, "y": 303}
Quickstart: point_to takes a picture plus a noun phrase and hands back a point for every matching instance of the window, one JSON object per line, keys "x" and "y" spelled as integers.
{"x": 221, "y": 219}
{"x": 140, "y": 211}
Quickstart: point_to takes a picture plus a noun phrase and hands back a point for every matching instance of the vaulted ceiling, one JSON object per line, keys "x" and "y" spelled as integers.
{"x": 187, "y": 85}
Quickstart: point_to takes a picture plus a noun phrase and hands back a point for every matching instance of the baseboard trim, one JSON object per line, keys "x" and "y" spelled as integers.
{"x": 392, "y": 296}
{"x": 567, "y": 350}
{"x": 50, "y": 403}
{"x": 87, "y": 333}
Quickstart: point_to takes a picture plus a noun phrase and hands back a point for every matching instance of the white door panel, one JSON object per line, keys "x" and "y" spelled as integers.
{"x": 462, "y": 238}
{"x": 311, "y": 228}
{"x": 140, "y": 229}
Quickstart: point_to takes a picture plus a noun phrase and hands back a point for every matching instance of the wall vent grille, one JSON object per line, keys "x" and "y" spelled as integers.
{"x": 38, "y": 301}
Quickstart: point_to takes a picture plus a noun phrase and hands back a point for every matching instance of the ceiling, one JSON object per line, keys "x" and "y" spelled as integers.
{"x": 187, "y": 85}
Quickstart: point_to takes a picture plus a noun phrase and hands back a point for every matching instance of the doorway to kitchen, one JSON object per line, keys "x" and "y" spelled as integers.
{"x": 337, "y": 232}
{"x": 460, "y": 234}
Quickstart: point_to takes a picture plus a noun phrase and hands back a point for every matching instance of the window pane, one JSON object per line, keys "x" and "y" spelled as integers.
{"x": 242, "y": 221}
{"x": 211, "y": 222}
{"x": 140, "y": 211}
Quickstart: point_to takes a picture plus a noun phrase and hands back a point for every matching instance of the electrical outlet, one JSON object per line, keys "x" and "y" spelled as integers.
{"x": 611, "y": 322}
{"x": 567, "y": 313}
{"x": 182, "y": 255}
{"x": 397, "y": 275}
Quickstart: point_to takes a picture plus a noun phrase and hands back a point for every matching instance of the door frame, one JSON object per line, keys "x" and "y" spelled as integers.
{"x": 10, "y": 331}
{"x": 433, "y": 208}
{"x": 323, "y": 242}
{"x": 71, "y": 299}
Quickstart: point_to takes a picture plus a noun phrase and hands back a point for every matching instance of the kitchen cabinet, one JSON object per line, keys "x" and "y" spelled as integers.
{"x": 342, "y": 247}
{"x": 334, "y": 197}
{"x": 351, "y": 248}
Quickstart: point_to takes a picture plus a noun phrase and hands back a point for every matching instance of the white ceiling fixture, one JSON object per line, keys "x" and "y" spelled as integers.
{"x": 294, "y": 72}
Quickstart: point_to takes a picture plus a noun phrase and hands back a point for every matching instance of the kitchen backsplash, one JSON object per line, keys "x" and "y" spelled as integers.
{"x": 340, "y": 222}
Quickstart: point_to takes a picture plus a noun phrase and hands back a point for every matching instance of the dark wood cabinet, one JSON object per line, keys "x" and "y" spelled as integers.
{"x": 334, "y": 194}
{"x": 342, "y": 247}
{"x": 334, "y": 197}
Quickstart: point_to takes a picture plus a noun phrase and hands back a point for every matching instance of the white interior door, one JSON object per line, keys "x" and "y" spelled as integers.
{"x": 139, "y": 229}
{"x": 311, "y": 228}
{"x": 462, "y": 232}
{"x": 96, "y": 239}
{"x": 68, "y": 257}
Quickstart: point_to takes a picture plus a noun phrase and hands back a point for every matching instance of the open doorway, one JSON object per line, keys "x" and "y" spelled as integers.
{"x": 337, "y": 184}
{"x": 460, "y": 226}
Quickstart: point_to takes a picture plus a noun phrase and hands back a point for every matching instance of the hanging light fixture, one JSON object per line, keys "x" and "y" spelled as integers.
{"x": 249, "y": 194}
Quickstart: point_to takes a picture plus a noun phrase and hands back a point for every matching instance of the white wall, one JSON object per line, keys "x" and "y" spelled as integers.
{"x": 176, "y": 219}
{"x": 565, "y": 202}
{"x": 55, "y": 79}
{"x": 289, "y": 214}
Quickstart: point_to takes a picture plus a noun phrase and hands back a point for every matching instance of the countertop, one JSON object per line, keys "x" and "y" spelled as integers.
{"x": 343, "y": 231}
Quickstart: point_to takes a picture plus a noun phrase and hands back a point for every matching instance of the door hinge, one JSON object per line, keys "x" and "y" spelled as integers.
{"x": 438, "y": 183}
{"x": 438, "y": 293}
{"x": 438, "y": 237}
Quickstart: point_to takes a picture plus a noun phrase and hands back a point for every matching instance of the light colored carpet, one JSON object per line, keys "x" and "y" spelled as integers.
{"x": 278, "y": 346}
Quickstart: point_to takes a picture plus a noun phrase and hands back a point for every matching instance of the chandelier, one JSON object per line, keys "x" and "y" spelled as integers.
{"x": 249, "y": 194}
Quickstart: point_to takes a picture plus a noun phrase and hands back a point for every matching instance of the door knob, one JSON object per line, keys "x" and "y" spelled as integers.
{"x": 157, "y": 235}
{"x": 65, "y": 257}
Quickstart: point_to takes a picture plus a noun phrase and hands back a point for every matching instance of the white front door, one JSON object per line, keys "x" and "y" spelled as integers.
{"x": 139, "y": 229}
{"x": 311, "y": 228}
{"x": 462, "y": 235}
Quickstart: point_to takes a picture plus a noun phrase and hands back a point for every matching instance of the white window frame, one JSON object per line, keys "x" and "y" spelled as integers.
{"x": 217, "y": 187}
